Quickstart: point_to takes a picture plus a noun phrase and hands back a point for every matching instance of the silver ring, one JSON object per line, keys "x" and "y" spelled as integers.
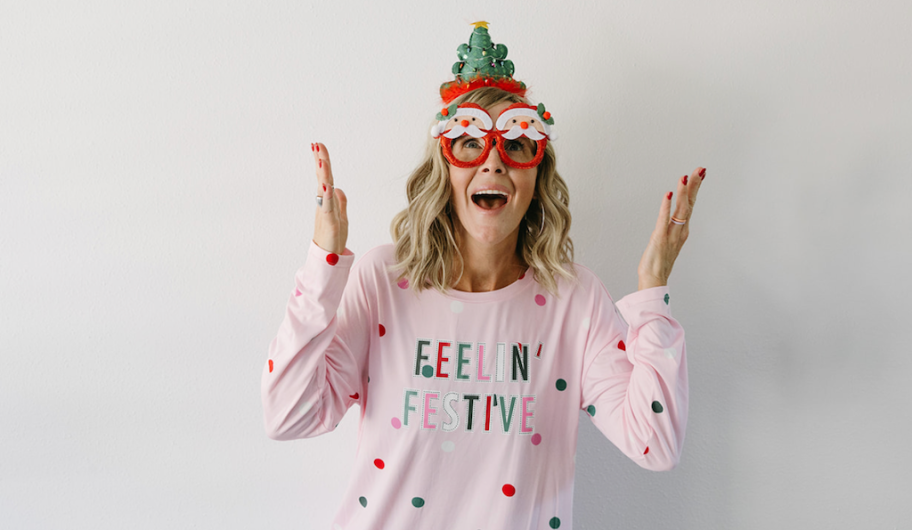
{"x": 319, "y": 201}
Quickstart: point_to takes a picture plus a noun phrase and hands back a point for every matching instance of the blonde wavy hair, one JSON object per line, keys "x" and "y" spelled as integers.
{"x": 426, "y": 250}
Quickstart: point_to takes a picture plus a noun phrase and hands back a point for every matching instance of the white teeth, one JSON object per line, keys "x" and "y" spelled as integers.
{"x": 490, "y": 192}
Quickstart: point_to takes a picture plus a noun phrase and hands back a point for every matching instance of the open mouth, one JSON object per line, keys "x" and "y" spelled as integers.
{"x": 489, "y": 199}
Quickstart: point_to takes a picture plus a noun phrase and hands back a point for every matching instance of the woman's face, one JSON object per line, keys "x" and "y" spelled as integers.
{"x": 491, "y": 219}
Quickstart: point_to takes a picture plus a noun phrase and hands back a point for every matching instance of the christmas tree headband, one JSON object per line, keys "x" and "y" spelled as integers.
{"x": 481, "y": 63}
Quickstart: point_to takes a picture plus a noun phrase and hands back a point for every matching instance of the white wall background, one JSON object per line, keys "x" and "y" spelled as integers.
{"x": 156, "y": 198}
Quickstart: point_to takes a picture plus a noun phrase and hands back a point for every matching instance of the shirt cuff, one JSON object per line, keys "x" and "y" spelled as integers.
{"x": 652, "y": 300}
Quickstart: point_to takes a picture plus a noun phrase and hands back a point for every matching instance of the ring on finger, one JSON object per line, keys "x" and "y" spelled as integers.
{"x": 319, "y": 200}
{"x": 677, "y": 221}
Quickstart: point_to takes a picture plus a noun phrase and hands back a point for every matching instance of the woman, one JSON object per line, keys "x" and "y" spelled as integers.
{"x": 471, "y": 345}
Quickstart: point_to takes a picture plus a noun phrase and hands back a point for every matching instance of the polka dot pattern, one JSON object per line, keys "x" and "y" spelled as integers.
{"x": 456, "y": 306}
{"x": 657, "y": 407}
{"x": 363, "y": 501}
{"x": 270, "y": 365}
{"x": 508, "y": 490}
{"x": 554, "y": 522}
{"x": 396, "y": 423}
{"x": 332, "y": 258}
{"x": 355, "y": 396}
{"x": 382, "y": 330}
{"x": 622, "y": 346}
{"x": 646, "y": 451}
{"x": 447, "y": 446}
{"x": 539, "y": 299}
{"x": 379, "y": 463}
{"x": 403, "y": 283}
{"x": 561, "y": 385}
{"x": 427, "y": 371}
{"x": 417, "y": 502}
{"x": 585, "y": 323}
{"x": 523, "y": 275}
{"x": 591, "y": 410}
{"x": 536, "y": 439}
{"x": 297, "y": 292}
{"x": 666, "y": 298}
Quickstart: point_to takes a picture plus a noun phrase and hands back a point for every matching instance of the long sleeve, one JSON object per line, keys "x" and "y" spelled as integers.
{"x": 316, "y": 364}
{"x": 635, "y": 377}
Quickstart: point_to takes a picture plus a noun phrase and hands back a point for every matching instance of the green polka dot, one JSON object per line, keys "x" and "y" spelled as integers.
{"x": 666, "y": 298}
{"x": 657, "y": 407}
{"x": 417, "y": 502}
{"x": 591, "y": 410}
{"x": 554, "y": 522}
{"x": 427, "y": 371}
{"x": 368, "y": 379}
{"x": 363, "y": 501}
{"x": 561, "y": 385}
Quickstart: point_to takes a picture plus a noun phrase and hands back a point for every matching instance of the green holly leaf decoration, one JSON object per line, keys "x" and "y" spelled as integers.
{"x": 544, "y": 114}
{"x": 451, "y": 111}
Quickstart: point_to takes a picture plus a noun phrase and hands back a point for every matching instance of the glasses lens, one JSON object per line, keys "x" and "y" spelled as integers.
{"x": 520, "y": 150}
{"x": 467, "y": 148}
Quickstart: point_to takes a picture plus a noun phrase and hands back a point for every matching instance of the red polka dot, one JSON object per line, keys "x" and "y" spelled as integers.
{"x": 379, "y": 463}
{"x": 523, "y": 275}
{"x": 509, "y": 490}
{"x": 332, "y": 258}
{"x": 270, "y": 365}
{"x": 403, "y": 283}
{"x": 382, "y": 330}
{"x": 646, "y": 451}
{"x": 622, "y": 346}
{"x": 539, "y": 299}
{"x": 536, "y": 439}
{"x": 354, "y": 396}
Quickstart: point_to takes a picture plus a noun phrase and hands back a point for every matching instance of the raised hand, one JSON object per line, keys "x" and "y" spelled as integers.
{"x": 668, "y": 237}
{"x": 331, "y": 224}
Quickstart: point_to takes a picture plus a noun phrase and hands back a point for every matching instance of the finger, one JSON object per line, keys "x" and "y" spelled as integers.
{"x": 329, "y": 200}
{"x": 664, "y": 213}
{"x": 682, "y": 206}
{"x": 322, "y": 160}
{"x": 342, "y": 202}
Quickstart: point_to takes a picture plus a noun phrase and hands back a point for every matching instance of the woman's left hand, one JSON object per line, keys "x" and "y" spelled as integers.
{"x": 668, "y": 237}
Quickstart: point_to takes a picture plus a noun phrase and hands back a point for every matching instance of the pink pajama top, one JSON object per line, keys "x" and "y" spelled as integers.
{"x": 469, "y": 402}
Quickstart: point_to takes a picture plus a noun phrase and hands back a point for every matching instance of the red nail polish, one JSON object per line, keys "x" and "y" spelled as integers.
{"x": 703, "y": 173}
{"x": 318, "y": 148}
{"x": 321, "y": 161}
{"x": 668, "y": 196}
{"x": 685, "y": 180}
{"x": 324, "y": 187}
{"x": 311, "y": 147}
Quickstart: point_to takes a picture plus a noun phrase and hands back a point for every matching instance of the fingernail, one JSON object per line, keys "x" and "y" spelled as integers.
{"x": 321, "y": 160}
{"x": 318, "y": 148}
{"x": 703, "y": 173}
{"x": 685, "y": 180}
{"x": 311, "y": 147}
{"x": 668, "y": 196}
{"x": 324, "y": 187}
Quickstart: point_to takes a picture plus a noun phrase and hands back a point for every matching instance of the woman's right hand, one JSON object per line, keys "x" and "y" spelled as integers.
{"x": 331, "y": 225}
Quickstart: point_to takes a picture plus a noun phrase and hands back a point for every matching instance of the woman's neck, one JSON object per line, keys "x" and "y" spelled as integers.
{"x": 488, "y": 268}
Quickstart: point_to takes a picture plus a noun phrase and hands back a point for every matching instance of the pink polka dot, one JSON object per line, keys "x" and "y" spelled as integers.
{"x": 403, "y": 283}
{"x": 396, "y": 423}
{"x": 539, "y": 299}
{"x": 509, "y": 490}
{"x": 536, "y": 439}
{"x": 382, "y": 330}
{"x": 379, "y": 463}
{"x": 332, "y": 258}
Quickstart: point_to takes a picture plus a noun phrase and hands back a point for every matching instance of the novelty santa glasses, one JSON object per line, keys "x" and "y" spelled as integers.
{"x": 467, "y": 133}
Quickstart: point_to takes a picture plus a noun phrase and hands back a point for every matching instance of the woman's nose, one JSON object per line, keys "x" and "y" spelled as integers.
{"x": 493, "y": 162}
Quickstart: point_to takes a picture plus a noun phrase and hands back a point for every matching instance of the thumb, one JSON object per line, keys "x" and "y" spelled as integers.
{"x": 343, "y": 203}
